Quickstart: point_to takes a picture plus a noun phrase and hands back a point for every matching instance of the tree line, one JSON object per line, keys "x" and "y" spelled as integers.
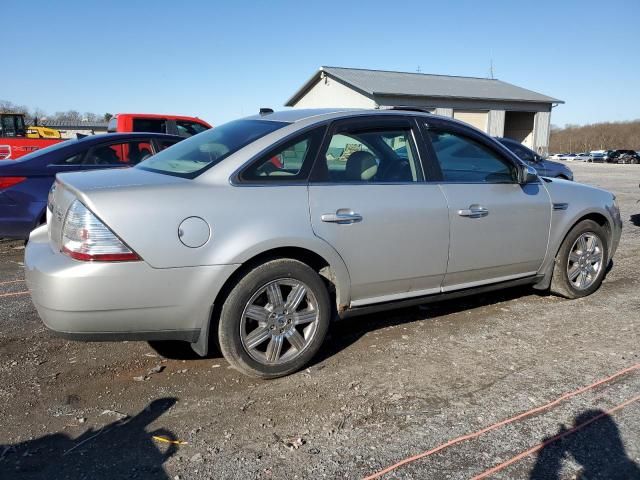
{"x": 31, "y": 115}
{"x": 597, "y": 136}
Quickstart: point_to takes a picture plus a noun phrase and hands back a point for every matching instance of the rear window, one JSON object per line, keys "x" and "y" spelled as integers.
{"x": 150, "y": 125}
{"x": 194, "y": 155}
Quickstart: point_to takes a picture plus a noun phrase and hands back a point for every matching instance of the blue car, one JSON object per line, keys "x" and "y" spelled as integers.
{"x": 25, "y": 183}
{"x": 544, "y": 167}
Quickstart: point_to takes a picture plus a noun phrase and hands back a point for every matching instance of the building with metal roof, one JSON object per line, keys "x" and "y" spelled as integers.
{"x": 71, "y": 128}
{"x": 496, "y": 107}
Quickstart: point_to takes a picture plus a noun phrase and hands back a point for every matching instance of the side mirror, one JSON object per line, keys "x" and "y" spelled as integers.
{"x": 527, "y": 175}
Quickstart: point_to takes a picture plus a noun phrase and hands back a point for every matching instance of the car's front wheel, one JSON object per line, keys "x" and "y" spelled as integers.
{"x": 581, "y": 262}
{"x": 275, "y": 319}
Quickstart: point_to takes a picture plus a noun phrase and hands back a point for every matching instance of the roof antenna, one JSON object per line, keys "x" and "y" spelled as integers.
{"x": 418, "y": 70}
{"x": 491, "y": 69}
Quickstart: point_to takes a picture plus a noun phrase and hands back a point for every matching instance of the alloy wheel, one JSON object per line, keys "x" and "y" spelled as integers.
{"x": 585, "y": 261}
{"x": 279, "y": 321}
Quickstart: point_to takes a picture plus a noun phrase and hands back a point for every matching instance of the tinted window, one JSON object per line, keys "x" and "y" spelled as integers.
{"x": 521, "y": 151}
{"x": 188, "y": 129}
{"x": 462, "y": 159}
{"x": 287, "y": 162}
{"x": 126, "y": 153}
{"x": 194, "y": 155}
{"x": 149, "y": 125}
{"x": 372, "y": 156}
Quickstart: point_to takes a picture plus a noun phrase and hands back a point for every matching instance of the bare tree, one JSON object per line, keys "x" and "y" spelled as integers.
{"x": 598, "y": 136}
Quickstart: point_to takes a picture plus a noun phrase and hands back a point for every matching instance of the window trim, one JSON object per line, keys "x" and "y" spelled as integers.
{"x": 373, "y": 123}
{"x": 502, "y": 152}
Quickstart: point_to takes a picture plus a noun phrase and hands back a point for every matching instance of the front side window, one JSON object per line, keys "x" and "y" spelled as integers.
{"x": 194, "y": 155}
{"x": 371, "y": 156}
{"x": 464, "y": 160}
{"x": 189, "y": 129}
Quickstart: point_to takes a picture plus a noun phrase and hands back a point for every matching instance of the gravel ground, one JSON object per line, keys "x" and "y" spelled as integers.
{"x": 385, "y": 387}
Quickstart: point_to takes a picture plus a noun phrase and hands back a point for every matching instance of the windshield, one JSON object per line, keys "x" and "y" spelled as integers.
{"x": 193, "y": 156}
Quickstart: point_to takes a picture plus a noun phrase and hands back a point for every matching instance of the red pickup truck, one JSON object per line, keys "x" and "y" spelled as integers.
{"x": 146, "y": 122}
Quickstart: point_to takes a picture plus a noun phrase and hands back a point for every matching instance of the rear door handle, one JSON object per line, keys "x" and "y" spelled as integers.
{"x": 474, "y": 211}
{"x": 342, "y": 216}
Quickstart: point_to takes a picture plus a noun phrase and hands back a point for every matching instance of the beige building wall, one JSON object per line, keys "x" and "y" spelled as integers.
{"x": 328, "y": 93}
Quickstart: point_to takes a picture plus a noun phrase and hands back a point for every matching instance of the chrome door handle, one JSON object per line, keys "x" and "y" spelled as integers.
{"x": 342, "y": 216}
{"x": 474, "y": 211}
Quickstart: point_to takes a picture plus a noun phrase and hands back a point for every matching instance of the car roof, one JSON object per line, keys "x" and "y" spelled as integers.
{"x": 294, "y": 115}
{"x": 125, "y": 136}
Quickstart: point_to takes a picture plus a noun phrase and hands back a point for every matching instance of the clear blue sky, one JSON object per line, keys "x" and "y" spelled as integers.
{"x": 220, "y": 60}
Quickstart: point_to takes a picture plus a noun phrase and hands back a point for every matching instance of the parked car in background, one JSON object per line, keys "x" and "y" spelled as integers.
{"x": 147, "y": 122}
{"x": 25, "y": 183}
{"x": 582, "y": 157}
{"x": 556, "y": 156}
{"x": 209, "y": 242}
{"x": 569, "y": 157}
{"x": 597, "y": 157}
{"x": 624, "y": 156}
{"x": 545, "y": 168}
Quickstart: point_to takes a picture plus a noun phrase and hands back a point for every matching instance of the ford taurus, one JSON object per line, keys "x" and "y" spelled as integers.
{"x": 256, "y": 234}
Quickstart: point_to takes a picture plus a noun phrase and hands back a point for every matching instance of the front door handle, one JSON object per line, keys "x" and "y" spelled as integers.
{"x": 474, "y": 211}
{"x": 342, "y": 216}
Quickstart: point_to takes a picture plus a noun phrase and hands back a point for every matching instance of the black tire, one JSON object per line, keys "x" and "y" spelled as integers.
{"x": 560, "y": 283}
{"x": 231, "y": 314}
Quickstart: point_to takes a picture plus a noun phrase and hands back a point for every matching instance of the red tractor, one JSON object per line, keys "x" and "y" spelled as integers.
{"x": 16, "y": 139}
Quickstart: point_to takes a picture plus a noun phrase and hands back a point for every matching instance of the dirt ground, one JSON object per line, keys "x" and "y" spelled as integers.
{"x": 385, "y": 387}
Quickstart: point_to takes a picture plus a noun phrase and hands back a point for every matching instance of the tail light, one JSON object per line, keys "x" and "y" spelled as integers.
{"x": 50, "y": 197}
{"x": 86, "y": 238}
{"x": 6, "y": 182}
{"x": 5, "y": 152}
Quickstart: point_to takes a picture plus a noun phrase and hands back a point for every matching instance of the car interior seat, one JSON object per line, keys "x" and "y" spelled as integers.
{"x": 361, "y": 167}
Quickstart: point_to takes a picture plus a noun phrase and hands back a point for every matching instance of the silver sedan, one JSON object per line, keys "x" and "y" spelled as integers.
{"x": 256, "y": 234}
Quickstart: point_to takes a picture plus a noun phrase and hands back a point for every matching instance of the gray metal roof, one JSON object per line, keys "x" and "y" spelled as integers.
{"x": 74, "y": 125}
{"x": 381, "y": 82}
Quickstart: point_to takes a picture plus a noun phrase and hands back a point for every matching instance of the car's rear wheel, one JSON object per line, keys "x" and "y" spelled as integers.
{"x": 581, "y": 262}
{"x": 275, "y": 319}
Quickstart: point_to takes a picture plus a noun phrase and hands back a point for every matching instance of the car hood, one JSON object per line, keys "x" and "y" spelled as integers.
{"x": 567, "y": 191}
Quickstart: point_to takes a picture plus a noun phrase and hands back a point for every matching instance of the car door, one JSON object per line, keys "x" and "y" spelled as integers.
{"x": 368, "y": 198}
{"x": 499, "y": 228}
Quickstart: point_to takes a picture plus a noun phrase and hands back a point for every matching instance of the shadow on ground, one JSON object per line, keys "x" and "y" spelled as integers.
{"x": 597, "y": 448}
{"x": 635, "y": 219}
{"x": 122, "y": 449}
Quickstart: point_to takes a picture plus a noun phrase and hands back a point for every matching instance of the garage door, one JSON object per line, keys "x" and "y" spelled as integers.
{"x": 477, "y": 119}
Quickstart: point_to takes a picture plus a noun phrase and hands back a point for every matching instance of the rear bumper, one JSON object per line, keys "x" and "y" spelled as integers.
{"x": 119, "y": 301}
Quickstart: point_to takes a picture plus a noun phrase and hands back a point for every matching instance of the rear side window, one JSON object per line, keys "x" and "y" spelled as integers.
{"x": 464, "y": 160}
{"x": 194, "y": 155}
{"x": 288, "y": 162}
{"x": 150, "y": 125}
{"x": 125, "y": 153}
